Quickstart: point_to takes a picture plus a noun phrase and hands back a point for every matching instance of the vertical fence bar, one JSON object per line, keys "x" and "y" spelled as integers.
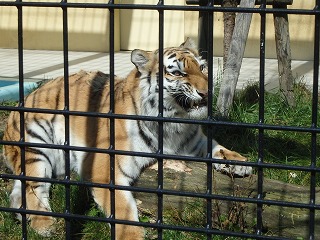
{"x": 160, "y": 124}
{"x": 66, "y": 115}
{"x": 112, "y": 120}
{"x": 313, "y": 164}
{"x": 203, "y": 31}
{"x": 210, "y": 117}
{"x": 261, "y": 119}
{"x": 22, "y": 120}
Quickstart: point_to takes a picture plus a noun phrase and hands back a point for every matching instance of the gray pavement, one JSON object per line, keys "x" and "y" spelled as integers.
{"x": 40, "y": 65}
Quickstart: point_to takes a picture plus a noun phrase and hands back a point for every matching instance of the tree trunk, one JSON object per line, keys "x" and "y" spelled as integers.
{"x": 282, "y": 38}
{"x": 234, "y": 60}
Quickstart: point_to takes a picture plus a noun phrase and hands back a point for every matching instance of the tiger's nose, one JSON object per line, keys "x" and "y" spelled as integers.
{"x": 203, "y": 94}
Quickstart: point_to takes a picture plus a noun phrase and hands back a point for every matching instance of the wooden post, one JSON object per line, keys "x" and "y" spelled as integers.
{"x": 282, "y": 38}
{"x": 229, "y": 22}
{"x": 235, "y": 56}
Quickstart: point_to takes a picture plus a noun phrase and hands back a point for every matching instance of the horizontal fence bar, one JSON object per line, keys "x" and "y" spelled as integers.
{"x": 257, "y": 2}
{"x": 165, "y": 156}
{"x": 206, "y": 122}
{"x": 167, "y": 192}
{"x": 142, "y": 224}
{"x": 161, "y": 7}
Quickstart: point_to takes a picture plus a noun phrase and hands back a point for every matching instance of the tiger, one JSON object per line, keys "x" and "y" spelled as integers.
{"x": 185, "y": 95}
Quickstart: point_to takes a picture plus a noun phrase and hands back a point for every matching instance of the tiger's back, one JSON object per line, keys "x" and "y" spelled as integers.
{"x": 89, "y": 92}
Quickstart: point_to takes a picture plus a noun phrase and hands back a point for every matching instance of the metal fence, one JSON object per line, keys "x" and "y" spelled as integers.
{"x": 208, "y": 196}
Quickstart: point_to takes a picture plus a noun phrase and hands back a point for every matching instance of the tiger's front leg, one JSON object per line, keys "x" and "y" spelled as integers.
{"x": 220, "y": 152}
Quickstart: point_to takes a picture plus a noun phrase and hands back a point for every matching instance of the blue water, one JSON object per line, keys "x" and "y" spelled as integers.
{"x": 4, "y": 83}
{"x": 9, "y": 90}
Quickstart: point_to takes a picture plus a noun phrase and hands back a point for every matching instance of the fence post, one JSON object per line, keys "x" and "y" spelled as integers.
{"x": 203, "y": 31}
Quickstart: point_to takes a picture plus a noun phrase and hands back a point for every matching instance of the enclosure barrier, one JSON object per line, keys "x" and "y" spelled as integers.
{"x": 208, "y": 196}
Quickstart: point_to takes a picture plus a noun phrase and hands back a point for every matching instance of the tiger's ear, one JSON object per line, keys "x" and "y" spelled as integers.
{"x": 190, "y": 44}
{"x": 141, "y": 59}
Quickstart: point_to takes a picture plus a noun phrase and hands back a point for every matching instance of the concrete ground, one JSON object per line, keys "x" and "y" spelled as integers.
{"x": 39, "y": 65}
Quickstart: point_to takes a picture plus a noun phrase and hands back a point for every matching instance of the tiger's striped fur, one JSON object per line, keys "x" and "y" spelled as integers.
{"x": 185, "y": 88}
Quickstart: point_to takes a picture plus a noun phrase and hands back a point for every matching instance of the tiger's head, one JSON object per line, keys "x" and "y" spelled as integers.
{"x": 185, "y": 81}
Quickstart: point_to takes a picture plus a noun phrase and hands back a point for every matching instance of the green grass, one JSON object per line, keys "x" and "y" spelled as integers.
{"x": 280, "y": 147}
{"x": 4, "y": 115}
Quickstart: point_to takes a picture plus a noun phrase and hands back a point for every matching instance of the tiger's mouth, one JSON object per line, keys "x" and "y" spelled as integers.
{"x": 189, "y": 104}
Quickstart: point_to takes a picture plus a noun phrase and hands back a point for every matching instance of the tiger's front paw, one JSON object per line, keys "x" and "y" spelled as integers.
{"x": 220, "y": 152}
{"x": 233, "y": 170}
